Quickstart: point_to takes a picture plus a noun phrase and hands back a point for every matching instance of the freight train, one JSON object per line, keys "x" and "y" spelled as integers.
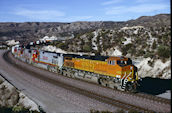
{"x": 114, "y": 72}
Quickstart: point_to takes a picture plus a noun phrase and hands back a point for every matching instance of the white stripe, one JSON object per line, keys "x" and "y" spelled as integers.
{"x": 123, "y": 76}
{"x": 128, "y": 75}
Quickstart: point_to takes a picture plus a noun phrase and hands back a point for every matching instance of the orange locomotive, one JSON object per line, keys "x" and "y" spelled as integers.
{"x": 114, "y": 72}
{"x": 111, "y": 71}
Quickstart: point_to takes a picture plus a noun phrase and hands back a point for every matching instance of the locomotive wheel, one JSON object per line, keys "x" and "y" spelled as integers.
{"x": 48, "y": 68}
{"x": 107, "y": 85}
{"x": 129, "y": 87}
{"x": 73, "y": 74}
{"x": 99, "y": 81}
{"x": 103, "y": 82}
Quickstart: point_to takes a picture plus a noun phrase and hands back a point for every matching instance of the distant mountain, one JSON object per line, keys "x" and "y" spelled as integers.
{"x": 152, "y": 21}
{"x": 24, "y": 31}
{"x": 34, "y": 30}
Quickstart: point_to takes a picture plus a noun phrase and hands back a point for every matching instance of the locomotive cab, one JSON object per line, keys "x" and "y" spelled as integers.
{"x": 126, "y": 72}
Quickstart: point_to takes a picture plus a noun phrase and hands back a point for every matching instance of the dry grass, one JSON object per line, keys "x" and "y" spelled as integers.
{"x": 1, "y": 81}
{"x": 97, "y": 111}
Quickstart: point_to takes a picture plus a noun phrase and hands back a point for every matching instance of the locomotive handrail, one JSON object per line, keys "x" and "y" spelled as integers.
{"x": 128, "y": 75}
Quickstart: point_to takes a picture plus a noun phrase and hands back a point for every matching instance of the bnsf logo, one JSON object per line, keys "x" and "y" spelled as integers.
{"x": 45, "y": 58}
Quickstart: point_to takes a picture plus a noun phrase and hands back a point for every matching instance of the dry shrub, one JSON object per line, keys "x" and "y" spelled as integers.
{"x": 1, "y": 81}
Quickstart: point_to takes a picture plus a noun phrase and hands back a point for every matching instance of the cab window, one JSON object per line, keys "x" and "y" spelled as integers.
{"x": 111, "y": 62}
{"x": 123, "y": 63}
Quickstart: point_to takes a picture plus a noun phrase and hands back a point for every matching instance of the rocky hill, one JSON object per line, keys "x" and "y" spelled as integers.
{"x": 160, "y": 20}
{"x": 34, "y": 30}
{"x": 24, "y": 31}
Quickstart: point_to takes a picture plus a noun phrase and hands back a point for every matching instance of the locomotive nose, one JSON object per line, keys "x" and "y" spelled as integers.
{"x": 135, "y": 72}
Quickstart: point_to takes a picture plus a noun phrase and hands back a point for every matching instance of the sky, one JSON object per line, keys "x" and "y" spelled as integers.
{"x": 79, "y": 10}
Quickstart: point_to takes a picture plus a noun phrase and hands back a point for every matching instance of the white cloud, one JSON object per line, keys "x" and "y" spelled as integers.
{"x": 40, "y": 15}
{"x": 111, "y": 2}
{"x": 49, "y": 15}
{"x": 142, "y": 1}
{"x": 143, "y": 8}
{"x": 150, "y": 1}
{"x": 81, "y": 17}
{"x": 115, "y": 10}
{"x": 77, "y": 18}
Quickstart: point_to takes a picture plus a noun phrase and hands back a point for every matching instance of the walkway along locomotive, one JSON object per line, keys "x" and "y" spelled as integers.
{"x": 114, "y": 72}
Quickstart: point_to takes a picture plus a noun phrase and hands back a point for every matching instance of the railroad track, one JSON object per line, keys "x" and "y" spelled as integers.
{"x": 154, "y": 98}
{"x": 147, "y": 96}
{"x": 93, "y": 95}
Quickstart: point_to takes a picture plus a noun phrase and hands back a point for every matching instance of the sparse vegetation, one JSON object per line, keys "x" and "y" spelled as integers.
{"x": 97, "y": 111}
{"x": 150, "y": 63}
{"x": 62, "y": 45}
{"x": 1, "y": 81}
{"x": 164, "y": 51}
{"x": 120, "y": 111}
{"x": 154, "y": 45}
{"x": 90, "y": 35}
{"x": 149, "y": 54}
{"x": 106, "y": 39}
{"x": 16, "y": 109}
{"x": 87, "y": 48}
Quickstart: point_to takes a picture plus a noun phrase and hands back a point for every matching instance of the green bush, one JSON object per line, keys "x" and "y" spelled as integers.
{"x": 123, "y": 39}
{"x": 154, "y": 45}
{"x": 132, "y": 51}
{"x": 127, "y": 49}
{"x": 124, "y": 51}
{"x": 87, "y": 48}
{"x": 1, "y": 81}
{"x": 62, "y": 46}
{"x": 90, "y": 35}
{"x": 149, "y": 54}
{"x": 141, "y": 53}
{"x": 163, "y": 51}
{"x": 97, "y": 53}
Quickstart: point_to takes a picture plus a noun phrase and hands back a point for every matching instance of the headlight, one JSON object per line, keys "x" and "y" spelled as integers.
{"x": 118, "y": 76}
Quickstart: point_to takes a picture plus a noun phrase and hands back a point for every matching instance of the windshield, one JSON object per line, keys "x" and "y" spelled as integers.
{"x": 124, "y": 63}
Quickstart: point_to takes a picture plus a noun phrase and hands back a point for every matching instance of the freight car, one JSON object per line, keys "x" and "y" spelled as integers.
{"x": 114, "y": 72}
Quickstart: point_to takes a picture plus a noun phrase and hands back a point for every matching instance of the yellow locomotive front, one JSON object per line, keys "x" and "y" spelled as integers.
{"x": 126, "y": 72}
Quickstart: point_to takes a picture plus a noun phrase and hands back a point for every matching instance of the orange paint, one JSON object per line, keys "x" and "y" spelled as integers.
{"x": 100, "y": 67}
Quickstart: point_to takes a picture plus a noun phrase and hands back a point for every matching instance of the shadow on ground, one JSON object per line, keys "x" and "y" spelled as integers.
{"x": 154, "y": 86}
